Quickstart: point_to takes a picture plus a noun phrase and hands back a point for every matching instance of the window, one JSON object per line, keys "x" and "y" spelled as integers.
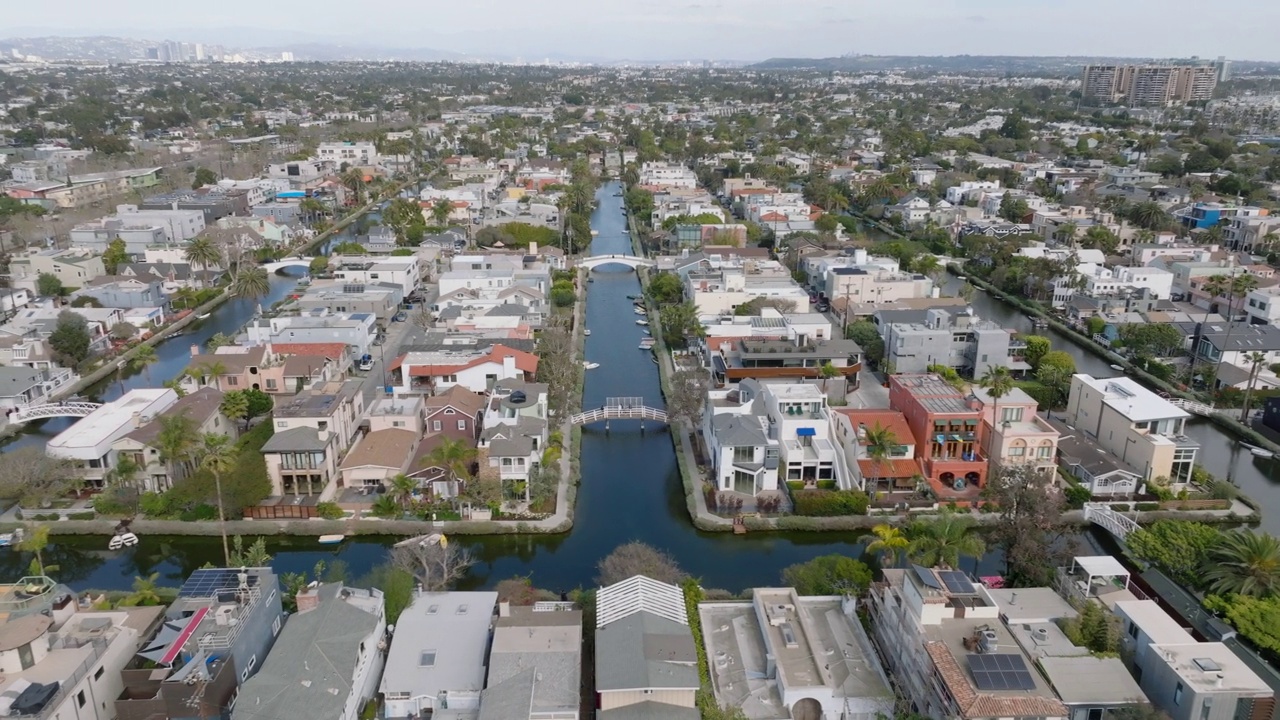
{"x": 1177, "y": 694}
{"x": 435, "y": 425}
{"x": 462, "y": 424}
{"x": 271, "y": 384}
{"x": 80, "y": 698}
{"x": 397, "y": 423}
{"x": 98, "y": 674}
{"x": 233, "y": 380}
{"x": 744, "y": 454}
{"x": 1017, "y": 450}
{"x": 1133, "y": 630}
{"x": 433, "y": 609}
{"x": 253, "y": 663}
{"x": 1045, "y": 451}
{"x": 1011, "y": 415}
{"x": 271, "y": 597}
{"x": 1095, "y": 714}
{"x": 275, "y": 626}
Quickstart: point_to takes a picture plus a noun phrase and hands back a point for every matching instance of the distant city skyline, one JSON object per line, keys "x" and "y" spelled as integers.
{"x": 746, "y": 30}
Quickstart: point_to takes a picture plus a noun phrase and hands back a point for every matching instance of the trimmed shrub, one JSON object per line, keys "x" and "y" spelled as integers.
{"x": 830, "y": 503}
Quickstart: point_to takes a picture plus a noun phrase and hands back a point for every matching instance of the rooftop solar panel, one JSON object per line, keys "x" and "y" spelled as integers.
{"x": 926, "y": 576}
{"x": 206, "y": 581}
{"x": 956, "y": 582}
{"x": 1001, "y": 671}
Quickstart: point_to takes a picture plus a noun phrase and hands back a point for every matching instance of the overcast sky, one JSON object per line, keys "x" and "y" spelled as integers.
{"x": 715, "y": 29}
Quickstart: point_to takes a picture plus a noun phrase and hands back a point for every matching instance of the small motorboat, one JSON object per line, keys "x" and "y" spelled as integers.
{"x": 202, "y": 317}
{"x": 654, "y": 359}
{"x": 590, "y": 365}
{"x": 642, "y": 322}
{"x": 646, "y": 345}
{"x": 587, "y": 331}
{"x": 641, "y": 311}
{"x": 591, "y": 279}
{"x": 595, "y": 233}
{"x": 122, "y": 540}
{"x": 633, "y": 297}
{"x": 1257, "y": 451}
{"x": 332, "y": 539}
{"x": 1116, "y": 367}
{"x": 11, "y": 538}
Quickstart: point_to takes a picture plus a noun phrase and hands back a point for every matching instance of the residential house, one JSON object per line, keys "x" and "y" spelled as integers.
{"x": 354, "y": 331}
{"x": 359, "y": 154}
{"x": 535, "y": 663}
{"x": 326, "y": 662}
{"x": 514, "y": 436}
{"x": 476, "y": 369}
{"x": 214, "y": 636}
{"x": 239, "y": 367}
{"x": 1101, "y": 471}
{"x": 22, "y": 386}
{"x": 73, "y": 267}
{"x": 646, "y": 661}
{"x": 775, "y": 665}
{"x": 121, "y": 292}
{"x": 942, "y": 638}
{"x": 138, "y": 235}
{"x": 743, "y": 458}
{"x": 88, "y": 443}
{"x": 180, "y": 226}
{"x": 1143, "y": 429}
{"x": 382, "y": 300}
{"x": 437, "y": 655}
{"x": 899, "y": 471}
{"x": 212, "y": 201}
{"x": 39, "y": 323}
{"x": 1187, "y": 679}
{"x": 18, "y": 349}
{"x": 312, "y": 431}
{"x": 66, "y": 663}
{"x": 145, "y": 445}
{"x": 454, "y": 413}
{"x": 719, "y": 291}
{"x": 799, "y": 359}
{"x": 946, "y": 429}
{"x": 402, "y": 272}
{"x": 1012, "y": 433}
{"x": 914, "y": 340}
{"x": 379, "y": 456}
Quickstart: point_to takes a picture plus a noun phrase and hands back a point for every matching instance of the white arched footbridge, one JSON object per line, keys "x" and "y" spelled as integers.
{"x": 1116, "y": 523}
{"x": 302, "y": 262}
{"x": 629, "y": 408}
{"x": 52, "y": 410}
{"x": 630, "y": 261}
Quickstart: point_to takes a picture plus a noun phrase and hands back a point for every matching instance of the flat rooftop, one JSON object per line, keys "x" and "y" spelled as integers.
{"x": 84, "y": 439}
{"x": 1204, "y": 665}
{"x": 1085, "y": 679}
{"x": 1132, "y": 400}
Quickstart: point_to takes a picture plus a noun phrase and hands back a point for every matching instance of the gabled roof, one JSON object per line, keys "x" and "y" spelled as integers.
{"x": 974, "y": 704}
{"x": 636, "y": 594}
{"x": 333, "y": 351}
{"x": 301, "y": 439}
{"x": 733, "y": 430}
{"x": 390, "y": 448}
{"x": 457, "y": 397}
{"x": 199, "y": 406}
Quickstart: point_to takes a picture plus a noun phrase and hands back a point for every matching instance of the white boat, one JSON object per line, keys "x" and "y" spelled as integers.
{"x": 590, "y": 365}
{"x": 11, "y": 538}
{"x": 642, "y": 322}
{"x": 122, "y": 540}
{"x": 587, "y": 331}
{"x": 595, "y": 233}
{"x": 332, "y": 539}
{"x": 1117, "y": 367}
{"x": 641, "y": 311}
{"x": 1260, "y": 452}
{"x": 201, "y": 317}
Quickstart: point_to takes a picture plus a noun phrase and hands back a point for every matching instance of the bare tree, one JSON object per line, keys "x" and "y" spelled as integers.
{"x": 434, "y": 562}
{"x": 423, "y": 317}
{"x": 688, "y": 395}
{"x": 637, "y": 558}
{"x": 556, "y": 365}
{"x": 33, "y": 478}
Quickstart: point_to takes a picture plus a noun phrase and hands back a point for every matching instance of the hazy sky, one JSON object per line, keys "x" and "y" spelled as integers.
{"x": 720, "y": 29}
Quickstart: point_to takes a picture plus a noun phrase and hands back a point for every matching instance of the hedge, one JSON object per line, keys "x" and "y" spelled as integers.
{"x": 830, "y": 503}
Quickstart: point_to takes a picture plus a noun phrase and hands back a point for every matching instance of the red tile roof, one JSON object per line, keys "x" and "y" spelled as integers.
{"x": 334, "y": 351}
{"x": 525, "y": 362}
{"x": 891, "y": 420}
{"x": 974, "y": 704}
{"x": 890, "y": 468}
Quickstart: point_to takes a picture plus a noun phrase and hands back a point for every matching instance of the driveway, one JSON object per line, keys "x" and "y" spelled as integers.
{"x": 871, "y": 393}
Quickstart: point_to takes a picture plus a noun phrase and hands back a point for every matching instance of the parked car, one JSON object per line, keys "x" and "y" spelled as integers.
{"x": 822, "y": 307}
{"x": 366, "y": 363}
{"x": 399, "y": 317}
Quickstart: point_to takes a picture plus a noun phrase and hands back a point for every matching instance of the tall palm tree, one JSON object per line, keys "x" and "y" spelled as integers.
{"x": 1149, "y": 215}
{"x": 1067, "y": 233}
{"x": 203, "y": 253}
{"x": 252, "y": 283}
{"x": 144, "y": 591}
{"x": 218, "y": 456}
{"x": 878, "y": 442}
{"x": 887, "y": 542}
{"x": 942, "y": 540}
{"x": 440, "y": 212}
{"x": 998, "y": 382}
{"x": 1240, "y": 286}
{"x": 1244, "y": 563}
{"x": 453, "y": 456}
{"x": 1256, "y": 361}
{"x": 144, "y": 356}
{"x": 1214, "y": 287}
{"x": 177, "y": 444}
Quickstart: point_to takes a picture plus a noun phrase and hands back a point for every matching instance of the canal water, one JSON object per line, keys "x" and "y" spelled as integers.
{"x": 1220, "y": 452}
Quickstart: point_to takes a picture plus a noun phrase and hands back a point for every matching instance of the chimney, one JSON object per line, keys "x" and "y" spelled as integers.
{"x": 504, "y": 609}
{"x": 308, "y": 598}
{"x": 509, "y": 365}
{"x": 533, "y": 248}
{"x": 1217, "y": 682}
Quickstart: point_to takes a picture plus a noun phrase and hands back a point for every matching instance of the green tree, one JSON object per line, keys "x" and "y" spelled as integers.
{"x": 219, "y": 340}
{"x": 665, "y": 288}
{"x": 203, "y": 254}
{"x": 867, "y": 335}
{"x": 143, "y": 357}
{"x": 401, "y": 488}
{"x": 888, "y": 543}
{"x": 827, "y": 372}
{"x": 1152, "y": 339}
{"x": 1037, "y": 346}
{"x": 319, "y": 264}
{"x": 1256, "y": 362}
{"x": 1179, "y": 548}
{"x": 452, "y": 456}
{"x": 252, "y": 283}
{"x": 1031, "y": 530}
{"x": 204, "y": 176}
{"x": 1244, "y": 562}
{"x": 440, "y": 212}
{"x": 998, "y": 382}
{"x": 944, "y": 539}
{"x": 1013, "y": 209}
{"x": 70, "y": 338}
{"x": 1055, "y": 371}
{"x": 680, "y": 324}
{"x": 144, "y": 592}
{"x": 828, "y": 575}
{"x": 48, "y": 285}
{"x": 255, "y": 555}
{"x": 235, "y": 406}
{"x": 177, "y": 443}
{"x": 260, "y": 403}
{"x": 878, "y": 442}
{"x": 114, "y": 256}
{"x": 1149, "y": 215}
{"x": 1100, "y": 238}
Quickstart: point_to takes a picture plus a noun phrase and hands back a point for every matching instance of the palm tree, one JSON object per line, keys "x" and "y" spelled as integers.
{"x": 1241, "y": 285}
{"x": 441, "y": 211}
{"x": 1214, "y": 287}
{"x": 177, "y": 443}
{"x": 144, "y": 356}
{"x": 251, "y": 283}
{"x": 1256, "y": 359}
{"x": 1145, "y": 145}
{"x": 401, "y": 488}
{"x": 453, "y": 456}
{"x": 144, "y": 591}
{"x": 878, "y": 442}
{"x": 354, "y": 180}
{"x": 1067, "y": 233}
{"x": 218, "y": 456}
{"x": 202, "y": 253}
{"x": 185, "y": 296}
{"x": 942, "y": 540}
{"x": 1244, "y": 563}
{"x": 998, "y": 382}
{"x": 1149, "y": 215}
{"x": 887, "y": 542}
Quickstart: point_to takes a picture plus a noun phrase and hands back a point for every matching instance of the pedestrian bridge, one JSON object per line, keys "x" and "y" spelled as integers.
{"x": 632, "y": 408}
{"x": 1117, "y": 524}
{"x": 630, "y": 261}
{"x": 51, "y": 410}
{"x": 302, "y": 262}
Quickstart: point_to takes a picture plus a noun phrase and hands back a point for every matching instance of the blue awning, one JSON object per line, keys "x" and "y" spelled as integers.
{"x": 806, "y": 431}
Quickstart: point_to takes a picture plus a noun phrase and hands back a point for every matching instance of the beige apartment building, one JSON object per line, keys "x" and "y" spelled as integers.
{"x": 1149, "y": 85}
{"x": 1142, "y": 429}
